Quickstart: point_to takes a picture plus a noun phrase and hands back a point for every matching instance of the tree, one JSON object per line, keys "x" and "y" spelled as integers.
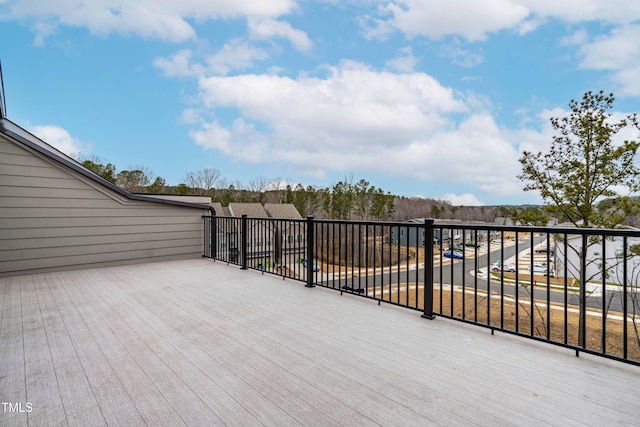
{"x": 182, "y": 189}
{"x": 583, "y": 165}
{"x": 203, "y": 182}
{"x": 435, "y": 211}
{"x": 306, "y": 200}
{"x": 363, "y": 198}
{"x": 342, "y": 200}
{"x": 383, "y": 204}
{"x": 530, "y": 215}
{"x": 192, "y": 181}
{"x": 134, "y": 181}
{"x": 157, "y": 186}
{"x": 106, "y": 171}
{"x": 209, "y": 178}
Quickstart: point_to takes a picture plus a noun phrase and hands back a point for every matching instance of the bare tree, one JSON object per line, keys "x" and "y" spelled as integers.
{"x": 209, "y": 178}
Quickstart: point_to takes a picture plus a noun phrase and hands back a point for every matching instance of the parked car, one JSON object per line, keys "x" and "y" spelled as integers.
{"x": 473, "y": 244}
{"x": 544, "y": 250}
{"x": 497, "y": 266}
{"x": 540, "y": 269}
{"x": 455, "y": 255}
{"x": 315, "y": 265}
{"x": 458, "y": 248}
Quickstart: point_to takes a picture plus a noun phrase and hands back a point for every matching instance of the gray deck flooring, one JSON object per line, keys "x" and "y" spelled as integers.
{"x": 202, "y": 343}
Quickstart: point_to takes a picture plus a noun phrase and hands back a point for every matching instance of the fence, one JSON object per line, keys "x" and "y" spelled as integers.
{"x": 577, "y": 288}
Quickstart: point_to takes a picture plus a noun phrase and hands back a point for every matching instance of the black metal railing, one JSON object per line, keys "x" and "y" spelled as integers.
{"x": 577, "y": 288}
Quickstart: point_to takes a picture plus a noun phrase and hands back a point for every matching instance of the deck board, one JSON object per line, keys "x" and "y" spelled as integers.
{"x": 75, "y": 391}
{"x": 201, "y": 343}
{"x": 40, "y": 375}
{"x": 12, "y": 360}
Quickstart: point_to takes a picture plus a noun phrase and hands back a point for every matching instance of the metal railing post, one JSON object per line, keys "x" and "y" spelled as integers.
{"x": 428, "y": 270}
{"x": 310, "y": 255}
{"x": 214, "y": 236}
{"x": 243, "y": 242}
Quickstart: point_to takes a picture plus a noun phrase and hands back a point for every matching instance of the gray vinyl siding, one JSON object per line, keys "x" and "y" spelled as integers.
{"x": 53, "y": 218}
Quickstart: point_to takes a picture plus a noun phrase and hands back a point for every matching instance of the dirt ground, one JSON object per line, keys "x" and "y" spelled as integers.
{"x": 488, "y": 311}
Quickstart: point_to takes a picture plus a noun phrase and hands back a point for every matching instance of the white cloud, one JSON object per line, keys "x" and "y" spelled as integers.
{"x": 462, "y": 199}
{"x": 235, "y": 55}
{"x": 619, "y": 53}
{"x": 42, "y": 30}
{"x": 475, "y": 20}
{"x": 460, "y": 56}
{"x": 178, "y": 65}
{"x": 576, "y": 39}
{"x": 242, "y": 140}
{"x": 60, "y": 139}
{"x": 404, "y": 62}
{"x": 265, "y": 28}
{"x": 610, "y": 11}
{"x": 190, "y": 116}
{"x": 360, "y": 119}
{"x": 159, "y": 19}
{"x": 470, "y": 19}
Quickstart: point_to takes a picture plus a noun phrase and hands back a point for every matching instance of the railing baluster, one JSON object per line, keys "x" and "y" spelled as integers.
{"x": 605, "y": 310}
{"x": 310, "y": 255}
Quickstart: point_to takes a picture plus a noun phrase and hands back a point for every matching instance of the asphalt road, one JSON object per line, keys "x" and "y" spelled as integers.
{"x": 459, "y": 273}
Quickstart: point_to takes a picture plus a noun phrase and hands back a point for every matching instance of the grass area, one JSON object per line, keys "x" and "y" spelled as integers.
{"x": 548, "y": 322}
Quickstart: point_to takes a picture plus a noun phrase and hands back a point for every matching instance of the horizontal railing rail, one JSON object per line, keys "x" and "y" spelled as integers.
{"x": 573, "y": 287}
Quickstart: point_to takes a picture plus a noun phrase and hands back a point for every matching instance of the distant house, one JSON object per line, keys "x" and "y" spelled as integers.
{"x": 444, "y": 234}
{"x": 273, "y": 231}
{"x": 292, "y": 235}
{"x": 602, "y": 255}
{"x": 260, "y": 231}
{"x": 226, "y": 236}
{"x": 57, "y": 215}
{"x": 410, "y": 235}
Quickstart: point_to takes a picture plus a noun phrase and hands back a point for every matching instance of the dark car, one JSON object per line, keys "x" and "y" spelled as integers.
{"x": 545, "y": 250}
{"x": 455, "y": 255}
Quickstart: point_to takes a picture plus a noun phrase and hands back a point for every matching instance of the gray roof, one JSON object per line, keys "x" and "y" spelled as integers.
{"x": 252, "y": 210}
{"x": 282, "y": 210}
{"x": 217, "y": 206}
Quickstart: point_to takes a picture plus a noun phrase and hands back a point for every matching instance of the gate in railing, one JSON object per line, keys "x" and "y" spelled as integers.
{"x": 577, "y": 288}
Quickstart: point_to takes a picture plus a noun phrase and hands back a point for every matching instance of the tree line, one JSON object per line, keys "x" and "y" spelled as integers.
{"x": 347, "y": 199}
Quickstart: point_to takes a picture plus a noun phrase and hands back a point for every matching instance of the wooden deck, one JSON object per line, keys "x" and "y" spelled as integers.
{"x": 202, "y": 343}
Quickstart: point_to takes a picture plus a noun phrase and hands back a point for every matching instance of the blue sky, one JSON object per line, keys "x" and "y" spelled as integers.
{"x": 428, "y": 98}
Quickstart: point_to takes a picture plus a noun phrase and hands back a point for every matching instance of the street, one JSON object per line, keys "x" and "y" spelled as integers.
{"x": 471, "y": 273}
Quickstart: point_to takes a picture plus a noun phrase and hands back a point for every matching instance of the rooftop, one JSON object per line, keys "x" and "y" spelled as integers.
{"x": 199, "y": 342}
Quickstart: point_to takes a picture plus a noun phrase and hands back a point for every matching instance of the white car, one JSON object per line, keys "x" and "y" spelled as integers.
{"x": 497, "y": 266}
{"x": 540, "y": 269}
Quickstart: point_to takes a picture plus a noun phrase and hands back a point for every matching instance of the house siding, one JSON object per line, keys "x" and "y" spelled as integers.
{"x": 54, "y": 218}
